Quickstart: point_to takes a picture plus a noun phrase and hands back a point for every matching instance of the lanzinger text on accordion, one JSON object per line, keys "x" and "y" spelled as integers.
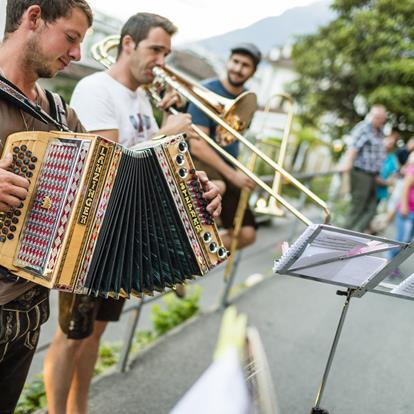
{"x": 105, "y": 220}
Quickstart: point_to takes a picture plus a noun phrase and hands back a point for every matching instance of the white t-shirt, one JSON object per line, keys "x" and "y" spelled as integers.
{"x": 103, "y": 103}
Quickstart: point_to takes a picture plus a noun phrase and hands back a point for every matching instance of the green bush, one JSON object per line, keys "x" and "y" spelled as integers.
{"x": 108, "y": 356}
{"x": 176, "y": 310}
{"x": 142, "y": 339}
{"x": 33, "y": 397}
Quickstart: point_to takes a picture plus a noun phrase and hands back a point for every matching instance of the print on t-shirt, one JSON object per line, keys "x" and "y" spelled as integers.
{"x": 141, "y": 124}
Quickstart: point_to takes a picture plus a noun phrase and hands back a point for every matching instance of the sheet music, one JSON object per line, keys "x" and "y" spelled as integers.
{"x": 337, "y": 241}
{"x": 323, "y": 253}
{"x": 406, "y": 287}
{"x": 353, "y": 272}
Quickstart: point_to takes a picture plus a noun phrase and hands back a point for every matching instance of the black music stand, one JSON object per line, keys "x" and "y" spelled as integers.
{"x": 315, "y": 251}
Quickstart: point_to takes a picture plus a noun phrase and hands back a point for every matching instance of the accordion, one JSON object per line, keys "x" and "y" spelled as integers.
{"x": 101, "y": 219}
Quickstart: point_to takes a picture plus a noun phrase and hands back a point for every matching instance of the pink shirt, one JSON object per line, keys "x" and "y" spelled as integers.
{"x": 409, "y": 170}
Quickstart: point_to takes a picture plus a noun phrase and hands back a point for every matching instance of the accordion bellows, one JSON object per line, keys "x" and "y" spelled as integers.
{"x": 105, "y": 220}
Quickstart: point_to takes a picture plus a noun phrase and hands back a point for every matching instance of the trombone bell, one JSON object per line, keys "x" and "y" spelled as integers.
{"x": 238, "y": 115}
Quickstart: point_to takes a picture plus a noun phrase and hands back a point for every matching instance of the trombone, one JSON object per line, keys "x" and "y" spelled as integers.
{"x": 191, "y": 92}
{"x": 272, "y": 208}
{"x": 169, "y": 77}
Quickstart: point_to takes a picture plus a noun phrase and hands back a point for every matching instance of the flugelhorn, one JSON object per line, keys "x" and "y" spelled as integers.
{"x": 167, "y": 76}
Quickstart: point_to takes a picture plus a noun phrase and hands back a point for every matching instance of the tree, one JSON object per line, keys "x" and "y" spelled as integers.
{"x": 365, "y": 56}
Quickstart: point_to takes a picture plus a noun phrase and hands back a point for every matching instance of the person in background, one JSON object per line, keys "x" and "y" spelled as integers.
{"x": 402, "y": 155}
{"x": 364, "y": 160}
{"x": 404, "y": 219}
{"x": 240, "y": 67}
{"x": 389, "y": 170}
{"x": 403, "y": 152}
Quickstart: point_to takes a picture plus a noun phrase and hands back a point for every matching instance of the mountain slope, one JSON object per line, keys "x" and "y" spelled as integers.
{"x": 273, "y": 31}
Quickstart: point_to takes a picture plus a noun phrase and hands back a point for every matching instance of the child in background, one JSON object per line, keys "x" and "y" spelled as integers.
{"x": 389, "y": 170}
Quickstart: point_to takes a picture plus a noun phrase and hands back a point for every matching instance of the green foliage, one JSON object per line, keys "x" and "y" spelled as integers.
{"x": 33, "y": 397}
{"x": 108, "y": 356}
{"x": 320, "y": 186}
{"x": 176, "y": 310}
{"x": 144, "y": 338}
{"x": 365, "y": 55}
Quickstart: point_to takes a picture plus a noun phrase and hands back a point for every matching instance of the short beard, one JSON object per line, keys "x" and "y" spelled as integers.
{"x": 35, "y": 60}
{"x": 233, "y": 83}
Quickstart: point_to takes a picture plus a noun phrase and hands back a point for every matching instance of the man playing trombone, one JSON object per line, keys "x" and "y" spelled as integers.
{"x": 240, "y": 67}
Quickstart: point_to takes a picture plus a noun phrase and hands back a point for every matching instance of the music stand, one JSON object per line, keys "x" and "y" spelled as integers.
{"x": 301, "y": 261}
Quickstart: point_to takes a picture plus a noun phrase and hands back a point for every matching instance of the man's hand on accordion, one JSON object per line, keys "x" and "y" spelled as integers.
{"x": 13, "y": 188}
{"x": 211, "y": 194}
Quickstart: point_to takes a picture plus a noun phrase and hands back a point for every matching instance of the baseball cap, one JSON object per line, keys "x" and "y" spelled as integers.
{"x": 250, "y": 49}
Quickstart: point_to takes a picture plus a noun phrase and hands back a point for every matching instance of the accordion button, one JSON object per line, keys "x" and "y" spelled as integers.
{"x": 10, "y": 236}
{"x": 182, "y": 172}
{"x": 16, "y": 150}
{"x": 7, "y": 222}
{"x": 19, "y": 163}
{"x": 4, "y": 230}
{"x": 15, "y": 220}
{"x": 17, "y": 213}
{"x": 207, "y": 237}
{"x": 24, "y": 169}
{"x": 2, "y": 239}
{"x": 34, "y": 159}
{"x": 16, "y": 170}
{"x": 222, "y": 253}
{"x": 20, "y": 155}
{"x": 179, "y": 159}
{"x": 32, "y": 166}
{"x": 29, "y": 174}
{"x": 182, "y": 147}
{"x": 212, "y": 247}
{"x": 26, "y": 161}
{"x": 23, "y": 147}
{"x": 13, "y": 228}
{"x": 29, "y": 153}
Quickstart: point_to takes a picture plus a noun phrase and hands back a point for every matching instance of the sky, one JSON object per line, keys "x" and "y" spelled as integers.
{"x": 198, "y": 19}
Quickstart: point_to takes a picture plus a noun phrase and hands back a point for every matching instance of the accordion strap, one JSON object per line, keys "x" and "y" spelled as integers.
{"x": 57, "y": 107}
{"x": 13, "y": 95}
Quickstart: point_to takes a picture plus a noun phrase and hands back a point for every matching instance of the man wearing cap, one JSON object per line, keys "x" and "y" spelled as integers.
{"x": 240, "y": 67}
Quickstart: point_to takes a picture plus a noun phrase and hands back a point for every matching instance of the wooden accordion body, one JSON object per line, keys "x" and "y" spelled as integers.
{"x": 105, "y": 220}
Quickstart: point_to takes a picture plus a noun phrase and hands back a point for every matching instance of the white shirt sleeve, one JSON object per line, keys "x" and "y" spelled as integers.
{"x": 93, "y": 105}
